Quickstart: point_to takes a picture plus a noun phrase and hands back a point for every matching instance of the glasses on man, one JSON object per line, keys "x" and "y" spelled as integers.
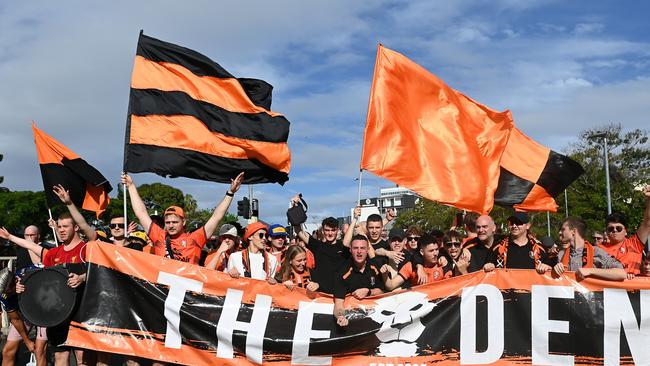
{"x": 450, "y": 244}
{"x": 262, "y": 235}
{"x": 598, "y": 238}
{"x": 413, "y": 238}
{"x": 116, "y": 226}
{"x": 615, "y": 228}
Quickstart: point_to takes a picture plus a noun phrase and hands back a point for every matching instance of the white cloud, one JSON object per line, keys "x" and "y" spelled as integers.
{"x": 585, "y": 28}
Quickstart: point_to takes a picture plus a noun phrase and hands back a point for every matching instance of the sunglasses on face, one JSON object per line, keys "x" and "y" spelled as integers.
{"x": 262, "y": 235}
{"x": 615, "y": 229}
{"x": 413, "y": 238}
{"x": 116, "y": 226}
{"x": 452, "y": 244}
{"x": 597, "y": 238}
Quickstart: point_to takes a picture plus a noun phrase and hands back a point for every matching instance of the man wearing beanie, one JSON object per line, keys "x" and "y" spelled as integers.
{"x": 254, "y": 261}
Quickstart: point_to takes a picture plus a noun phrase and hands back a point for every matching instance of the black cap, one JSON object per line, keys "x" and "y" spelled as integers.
{"x": 519, "y": 218}
{"x": 396, "y": 233}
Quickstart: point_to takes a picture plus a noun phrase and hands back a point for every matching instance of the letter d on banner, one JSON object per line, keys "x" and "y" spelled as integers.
{"x": 468, "y": 354}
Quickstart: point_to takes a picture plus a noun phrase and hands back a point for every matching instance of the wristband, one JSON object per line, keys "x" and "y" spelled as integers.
{"x": 230, "y": 194}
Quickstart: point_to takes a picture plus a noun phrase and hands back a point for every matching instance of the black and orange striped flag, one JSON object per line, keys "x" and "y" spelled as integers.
{"x": 190, "y": 117}
{"x": 532, "y": 174}
{"x": 59, "y": 165}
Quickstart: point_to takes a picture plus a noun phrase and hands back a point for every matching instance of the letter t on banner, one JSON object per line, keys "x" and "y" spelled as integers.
{"x": 254, "y": 330}
{"x": 178, "y": 286}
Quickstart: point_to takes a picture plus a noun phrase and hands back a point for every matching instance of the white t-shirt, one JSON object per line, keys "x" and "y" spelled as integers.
{"x": 256, "y": 263}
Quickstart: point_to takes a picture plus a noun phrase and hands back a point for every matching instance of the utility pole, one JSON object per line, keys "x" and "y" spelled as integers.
{"x": 597, "y": 136}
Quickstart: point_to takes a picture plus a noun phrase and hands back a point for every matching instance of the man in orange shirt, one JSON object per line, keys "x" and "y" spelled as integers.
{"x": 430, "y": 249}
{"x": 173, "y": 241}
{"x": 628, "y": 251}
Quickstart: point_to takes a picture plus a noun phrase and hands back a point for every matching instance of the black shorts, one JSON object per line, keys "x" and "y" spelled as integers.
{"x": 57, "y": 335}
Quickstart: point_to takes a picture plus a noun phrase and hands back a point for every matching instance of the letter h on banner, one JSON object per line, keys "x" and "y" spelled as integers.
{"x": 228, "y": 323}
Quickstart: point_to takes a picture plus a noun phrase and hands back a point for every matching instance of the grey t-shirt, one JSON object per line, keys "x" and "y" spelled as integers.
{"x": 601, "y": 259}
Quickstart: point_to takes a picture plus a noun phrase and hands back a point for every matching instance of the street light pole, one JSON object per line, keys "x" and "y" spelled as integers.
{"x": 603, "y": 135}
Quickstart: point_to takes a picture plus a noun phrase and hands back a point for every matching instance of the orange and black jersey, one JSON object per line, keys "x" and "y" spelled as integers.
{"x": 507, "y": 254}
{"x": 350, "y": 279}
{"x": 300, "y": 279}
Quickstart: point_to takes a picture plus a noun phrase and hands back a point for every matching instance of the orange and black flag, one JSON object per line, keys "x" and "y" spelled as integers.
{"x": 88, "y": 188}
{"x": 430, "y": 138}
{"x": 190, "y": 117}
{"x": 531, "y": 175}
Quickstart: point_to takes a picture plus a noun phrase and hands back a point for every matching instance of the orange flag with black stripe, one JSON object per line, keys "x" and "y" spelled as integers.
{"x": 430, "y": 138}
{"x": 59, "y": 165}
{"x": 190, "y": 117}
{"x": 532, "y": 174}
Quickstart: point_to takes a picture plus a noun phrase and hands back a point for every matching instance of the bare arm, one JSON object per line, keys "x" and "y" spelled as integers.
{"x": 220, "y": 211}
{"x": 644, "y": 229}
{"x": 609, "y": 274}
{"x": 376, "y": 291}
{"x": 339, "y": 312}
{"x": 394, "y": 280}
{"x": 24, "y": 243}
{"x": 64, "y": 196}
{"x": 137, "y": 205}
{"x": 347, "y": 238}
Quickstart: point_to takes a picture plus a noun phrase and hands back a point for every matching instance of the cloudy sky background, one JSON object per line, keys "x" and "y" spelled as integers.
{"x": 561, "y": 67}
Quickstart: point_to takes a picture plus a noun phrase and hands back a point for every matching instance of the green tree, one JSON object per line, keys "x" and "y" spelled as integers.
{"x": 22, "y": 208}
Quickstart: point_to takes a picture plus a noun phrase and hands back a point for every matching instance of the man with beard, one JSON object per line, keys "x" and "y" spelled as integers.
{"x": 360, "y": 278}
{"x": 628, "y": 251}
{"x": 520, "y": 250}
{"x": 329, "y": 254}
{"x": 581, "y": 257}
{"x": 479, "y": 248}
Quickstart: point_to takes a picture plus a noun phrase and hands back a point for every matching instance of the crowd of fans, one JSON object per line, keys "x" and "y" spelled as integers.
{"x": 360, "y": 259}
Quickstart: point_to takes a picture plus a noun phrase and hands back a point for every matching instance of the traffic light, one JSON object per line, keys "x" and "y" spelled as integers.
{"x": 244, "y": 208}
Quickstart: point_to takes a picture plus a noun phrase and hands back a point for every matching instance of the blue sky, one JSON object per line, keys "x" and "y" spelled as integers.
{"x": 560, "y": 66}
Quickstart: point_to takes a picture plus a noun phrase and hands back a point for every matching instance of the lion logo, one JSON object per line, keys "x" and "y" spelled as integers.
{"x": 399, "y": 316}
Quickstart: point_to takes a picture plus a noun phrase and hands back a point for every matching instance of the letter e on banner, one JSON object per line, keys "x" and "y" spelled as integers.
{"x": 618, "y": 311}
{"x": 468, "y": 354}
{"x": 178, "y": 286}
{"x": 304, "y": 333}
{"x": 542, "y": 325}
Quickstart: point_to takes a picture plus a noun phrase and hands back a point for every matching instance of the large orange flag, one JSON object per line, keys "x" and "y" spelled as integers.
{"x": 430, "y": 138}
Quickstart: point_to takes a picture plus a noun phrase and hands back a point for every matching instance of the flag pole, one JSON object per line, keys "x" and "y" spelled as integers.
{"x": 56, "y": 240}
{"x": 126, "y": 221}
{"x": 359, "y": 191}
{"x": 548, "y": 223}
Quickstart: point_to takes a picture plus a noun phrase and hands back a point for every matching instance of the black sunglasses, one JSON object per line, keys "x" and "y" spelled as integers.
{"x": 453, "y": 244}
{"x": 262, "y": 235}
{"x": 116, "y": 226}
{"x": 615, "y": 229}
{"x": 410, "y": 238}
{"x": 598, "y": 238}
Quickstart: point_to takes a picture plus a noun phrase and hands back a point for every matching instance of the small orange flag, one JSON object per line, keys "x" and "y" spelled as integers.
{"x": 430, "y": 138}
{"x": 59, "y": 165}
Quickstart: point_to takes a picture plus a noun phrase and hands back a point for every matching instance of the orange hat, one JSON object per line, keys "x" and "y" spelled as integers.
{"x": 175, "y": 210}
{"x": 253, "y": 228}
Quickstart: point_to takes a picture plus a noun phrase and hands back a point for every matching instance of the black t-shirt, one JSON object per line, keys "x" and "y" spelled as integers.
{"x": 479, "y": 254}
{"x": 382, "y": 244}
{"x": 329, "y": 259}
{"x": 349, "y": 279}
{"x": 520, "y": 257}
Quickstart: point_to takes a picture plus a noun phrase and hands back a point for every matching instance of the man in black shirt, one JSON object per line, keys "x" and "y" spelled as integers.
{"x": 480, "y": 247}
{"x": 360, "y": 278}
{"x": 374, "y": 228}
{"x": 519, "y": 250}
{"x": 329, "y": 254}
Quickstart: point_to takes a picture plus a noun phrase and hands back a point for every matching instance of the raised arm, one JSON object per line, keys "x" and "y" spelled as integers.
{"x": 347, "y": 238}
{"x": 35, "y": 248}
{"x": 644, "y": 229}
{"x": 64, "y": 196}
{"x": 302, "y": 235}
{"x": 137, "y": 205}
{"x": 211, "y": 225}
